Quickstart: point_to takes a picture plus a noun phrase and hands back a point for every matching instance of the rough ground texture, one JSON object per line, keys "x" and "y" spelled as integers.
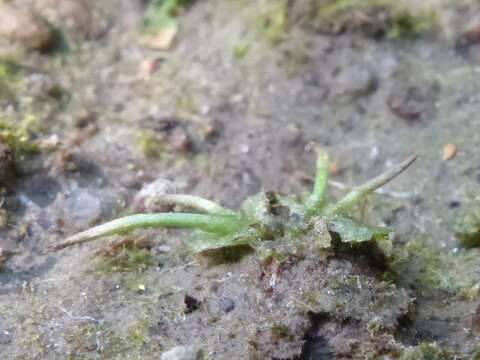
{"x": 89, "y": 117}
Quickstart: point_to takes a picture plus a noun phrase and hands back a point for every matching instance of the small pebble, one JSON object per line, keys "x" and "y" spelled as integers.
{"x": 191, "y": 304}
{"x": 356, "y": 80}
{"x": 163, "y": 249}
{"x": 449, "y": 152}
{"x": 5, "y": 337}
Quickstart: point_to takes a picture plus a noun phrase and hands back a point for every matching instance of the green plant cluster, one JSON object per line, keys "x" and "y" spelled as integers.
{"x": 271, "y": 224}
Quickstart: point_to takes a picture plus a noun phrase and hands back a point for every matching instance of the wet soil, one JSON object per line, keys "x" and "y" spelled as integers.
{"x": 224, "y": 124}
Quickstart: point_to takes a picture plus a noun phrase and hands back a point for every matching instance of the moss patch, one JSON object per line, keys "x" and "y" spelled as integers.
{"x": 427, "y": 351}
{"x": 272, "y": 22}
{"x": 468, "y": 228}
{"x": 149, "y": 144}
{"x": 126, "y": 258}
{"x": 20, "y": 135}
{"x": 9, "y": 77}
{"x": 381, "y": 18}
{"x": 422, "y": 265}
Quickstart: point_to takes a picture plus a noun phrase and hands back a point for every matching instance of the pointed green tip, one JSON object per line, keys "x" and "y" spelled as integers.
{"x": 316, "y": 200}
{"x": 359, "y": 193}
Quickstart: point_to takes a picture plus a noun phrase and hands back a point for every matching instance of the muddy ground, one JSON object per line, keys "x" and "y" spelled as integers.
{"x": 236, "y": 104}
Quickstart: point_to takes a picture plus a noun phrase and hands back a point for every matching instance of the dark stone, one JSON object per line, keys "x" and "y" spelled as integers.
{"x": 454, "y": 204}
{"x": 191, "y": 304}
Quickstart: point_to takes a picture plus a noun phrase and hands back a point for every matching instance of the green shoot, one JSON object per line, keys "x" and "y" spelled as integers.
{"x": 219, "y": 224}
{"x": 316, "y": 200}
{"x": 359, "y": 193}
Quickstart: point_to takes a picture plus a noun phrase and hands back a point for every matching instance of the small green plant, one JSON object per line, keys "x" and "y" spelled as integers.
{"x": 271, "y": 224}
{"x": 161, "y": 14}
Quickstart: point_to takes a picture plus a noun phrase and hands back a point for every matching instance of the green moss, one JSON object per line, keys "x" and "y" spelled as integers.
{"x": 310, "y": 298}
{"x": 240, "y": 50}
{"x": 138, "y": 334}
{"x": 421, "y": 265}
{"x": 387, "y": 18}
{"x": 427, "y": 351}
{"x": 374, "y": 327}
{"x": 468, "y": 228}
{"x": 281, "y": 332}
{"x": 405, "y": 24}
{"x": 470, "y": 293}
{"x": 271, "y": 23}
{"x": 19, "y": 135}
{"x": 149, "y": 144}
{"x": 127, "y": 258}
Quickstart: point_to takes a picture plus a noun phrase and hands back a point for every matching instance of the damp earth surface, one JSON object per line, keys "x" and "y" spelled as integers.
{"x": 104, "y": 103}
